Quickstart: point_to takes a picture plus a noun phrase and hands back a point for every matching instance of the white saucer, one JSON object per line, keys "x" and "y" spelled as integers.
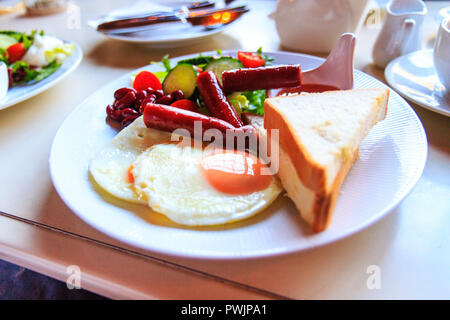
{"x": 413, "y": 76}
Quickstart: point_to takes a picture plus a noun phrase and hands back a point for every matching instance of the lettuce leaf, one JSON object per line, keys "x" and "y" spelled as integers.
{"x": 248, "y": 101}
{"x": 26, "y": 39}
{"x": 238, "y": 101}
{"x": 165, "y": 62}
{"x": 44, "y": 72}
{"x": 34, "y": 74}
{"x": 255, "y": 101}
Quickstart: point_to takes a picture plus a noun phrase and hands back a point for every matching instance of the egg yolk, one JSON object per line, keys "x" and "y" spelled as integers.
{"x": 235, "y": 172}
{"x": 130, "y": 174}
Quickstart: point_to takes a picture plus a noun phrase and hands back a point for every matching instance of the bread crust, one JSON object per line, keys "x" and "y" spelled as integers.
{"x": 311, "y": 175}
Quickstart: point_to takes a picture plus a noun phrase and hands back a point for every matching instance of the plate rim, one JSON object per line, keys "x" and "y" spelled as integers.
{"x": 388, "y": 74}
{"x": 78, "y": 53}
{"x": 161, "y": 42}
{"x": 247, "y": 255}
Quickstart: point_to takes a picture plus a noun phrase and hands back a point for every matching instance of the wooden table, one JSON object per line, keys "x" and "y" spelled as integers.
{"x": 411, "y": 245}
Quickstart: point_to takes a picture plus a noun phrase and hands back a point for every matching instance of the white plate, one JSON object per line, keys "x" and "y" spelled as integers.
{"x": 170, "y": 36}
{"x": 25, "y": 91}
{"x": 165, "y": 35}
{"x": 414, "y": 77}
{"x": 390, "y": 162}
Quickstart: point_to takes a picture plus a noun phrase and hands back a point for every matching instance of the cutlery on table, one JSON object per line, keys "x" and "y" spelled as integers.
{"x": 206, "y": 17}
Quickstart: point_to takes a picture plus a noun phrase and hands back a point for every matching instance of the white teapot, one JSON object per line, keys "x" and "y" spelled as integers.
{"x": 315, "y": 25}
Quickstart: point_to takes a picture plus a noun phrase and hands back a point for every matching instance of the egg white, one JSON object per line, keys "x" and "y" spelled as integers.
{"x": 110, "y": 166}
{"x": 168, "y": 176}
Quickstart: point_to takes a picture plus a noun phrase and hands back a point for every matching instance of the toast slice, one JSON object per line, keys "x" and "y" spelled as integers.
{"x": 319, "y": 138}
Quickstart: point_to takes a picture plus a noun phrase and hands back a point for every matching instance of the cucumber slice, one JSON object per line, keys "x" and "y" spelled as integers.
{"x": 183, "y": 77}
{"x": 6, "y": 41}
{"x": 222, "y": 64}
{"x": 198, "y": 60}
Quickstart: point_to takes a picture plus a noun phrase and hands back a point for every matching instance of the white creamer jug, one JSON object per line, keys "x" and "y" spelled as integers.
{"x": 401, "y": 32}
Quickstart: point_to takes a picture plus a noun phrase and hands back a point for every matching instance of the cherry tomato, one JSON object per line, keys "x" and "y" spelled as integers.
{"x": 186, "y": 105}
{"x": 250, "y": 59}
{"x": 145, "y": 80}
{"x": 16, "y": 51}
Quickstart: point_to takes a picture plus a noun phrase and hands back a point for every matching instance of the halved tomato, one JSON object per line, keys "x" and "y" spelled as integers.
{"x": 250, "y": 59}
{"x": 15, "y": 52}
{"x": 145, "y": 80}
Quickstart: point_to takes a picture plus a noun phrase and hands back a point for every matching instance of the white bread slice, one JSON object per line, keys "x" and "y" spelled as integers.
{"x": 319, "y": 135}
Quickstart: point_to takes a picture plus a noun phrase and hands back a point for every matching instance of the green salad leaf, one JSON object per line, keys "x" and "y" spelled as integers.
{"x": 238, "y": 101}
{"x": 266, "y": 58}
{"x": 36, "y": 74}
{"x": 255, "y": 101}
{"x": 161, "y": 75}
{"x": 44, "y": 72}
{"x": 248, "y": 101}
{"x": 26, "y": 39}
{"x": 4, "y": 56}
{"x": 165, "y": 62}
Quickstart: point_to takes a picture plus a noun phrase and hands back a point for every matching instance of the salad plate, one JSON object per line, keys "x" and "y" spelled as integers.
{"x": 390, "y": 161}
{"x": 24, "y": 91}
{"x": 415, "y": 78}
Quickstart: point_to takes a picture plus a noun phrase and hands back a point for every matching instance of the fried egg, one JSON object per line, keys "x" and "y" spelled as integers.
{"x": 195, "y": 186}
{"x": 111, "y": 165}
{"x": 191, "y": 185}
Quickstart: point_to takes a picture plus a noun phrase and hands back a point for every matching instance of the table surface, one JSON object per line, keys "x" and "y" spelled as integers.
{"x": 410, "y": 246}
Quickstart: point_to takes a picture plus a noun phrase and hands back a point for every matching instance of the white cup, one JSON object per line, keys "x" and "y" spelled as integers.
{"x": 4, "y": 80}
{"x": 315, "y": 25}
{"x": 442, "y": 53}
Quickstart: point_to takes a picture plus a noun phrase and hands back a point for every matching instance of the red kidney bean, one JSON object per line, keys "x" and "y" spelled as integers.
{"x": 126, "y": 121}
{"x": 116, "y": 115}
{"x": 149, "y": 99}
{"x": 177, "y": 95}
{"x": 127, "y": 112}
{"x": 126, "y": 101}
{"x": 140, "y": 96}
{"x": 166, "y": 100}
{"x": 119, "y": 93}
{"x": 157, "y": 93}
{"x": 109, "y": 110}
